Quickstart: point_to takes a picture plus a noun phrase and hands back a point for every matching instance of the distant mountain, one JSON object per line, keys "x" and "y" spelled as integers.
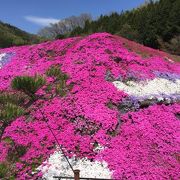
{"x": 13, "y": 36}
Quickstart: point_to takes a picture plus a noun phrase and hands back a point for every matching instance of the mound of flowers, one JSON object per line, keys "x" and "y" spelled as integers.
{"x": 108, "y": 107}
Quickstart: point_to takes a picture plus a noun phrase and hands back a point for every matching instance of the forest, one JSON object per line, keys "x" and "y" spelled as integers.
{"x": 154, "y": 24}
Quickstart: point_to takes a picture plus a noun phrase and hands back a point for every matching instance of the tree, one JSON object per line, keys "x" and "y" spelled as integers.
{"x": 155, "y": 19}
{"x": 128, "y": 32}
{"x": 173, "y": 46}
{"x": 28, "y": 85}
{"x": 64, "y": 26}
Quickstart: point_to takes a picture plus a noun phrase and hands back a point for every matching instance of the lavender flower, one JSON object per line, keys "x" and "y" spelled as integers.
{"x": 167, "y": 75}
{"x": 5, "y": 58}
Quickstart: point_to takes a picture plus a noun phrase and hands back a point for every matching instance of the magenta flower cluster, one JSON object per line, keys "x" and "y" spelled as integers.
{"x": 143, "y": 144}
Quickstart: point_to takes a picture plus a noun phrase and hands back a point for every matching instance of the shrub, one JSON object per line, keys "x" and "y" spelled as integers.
{"x": 55, "y": 71}
{"x": 3, "y": 170}
{"x": 60, "y": 36}
{"x": 61, "y": 90}
{"x": 28, "y": 85}
{"x": 17, "y": 98}
{"x": 10, "y": 111}
{"x": 174, "y": 45}
{"x": 61, "y": 78}
{"x": 128, "y": 32}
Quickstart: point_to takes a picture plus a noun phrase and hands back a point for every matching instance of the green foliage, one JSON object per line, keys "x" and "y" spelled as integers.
{"x": 173, "y": 45}
{"x": 61, "y": 78}
{"x": 8, "y": 140}
{"x": 10, "y": 111}
{"x": 10, "y": 108}
{"x": 55, "y": 71}
{"x": 14, "y": 98}
{"x": 8, "y": 169}
{"x": 76, "y": 31}
{"x": 10, "y": 36}
{"x": 60, "y": 36}
{"x": 3, "y": 170}
{"x": 28, "y": 85}
{"x": 145, "y": 24}
{"x": 15, "y": 152}
{"x": 128, "y": 32}
{"x": 61, "y": 90}
{"x": 48, "y": 88}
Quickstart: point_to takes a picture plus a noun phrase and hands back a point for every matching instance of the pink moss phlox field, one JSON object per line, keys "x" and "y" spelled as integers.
{"x": 146, "y": 145}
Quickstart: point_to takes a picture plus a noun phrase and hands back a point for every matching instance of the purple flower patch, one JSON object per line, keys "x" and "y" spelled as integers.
{"x": 167, "y": 75}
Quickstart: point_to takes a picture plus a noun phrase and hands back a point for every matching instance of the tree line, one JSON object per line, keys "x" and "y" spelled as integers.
{"x": 155, "y": 24}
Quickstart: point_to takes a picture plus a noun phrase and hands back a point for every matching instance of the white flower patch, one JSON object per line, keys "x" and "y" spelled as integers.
{"x": 157, "y": 86}
{"x": 58, "y": 166}
{"x": 2, "y": 55}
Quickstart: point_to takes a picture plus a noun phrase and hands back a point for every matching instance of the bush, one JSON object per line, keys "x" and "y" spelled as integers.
{"x": 18, "y": 98}
{"x": 60, "y": 36}
{"x": 55, "y": 71}
{"x": 10, "y": 111}
{"x": 128, "y": 32}
{"x": 3, "y": 170}
{"x": 28, "y": 85}
{"x": 174, "y": 45}
{"x": 61, "y": 78}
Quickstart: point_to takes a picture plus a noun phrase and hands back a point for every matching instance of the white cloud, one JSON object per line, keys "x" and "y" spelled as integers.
{"x": 41, "y": 21}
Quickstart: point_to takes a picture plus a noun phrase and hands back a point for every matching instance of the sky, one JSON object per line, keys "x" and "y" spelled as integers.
{"x": 32, "y": 15}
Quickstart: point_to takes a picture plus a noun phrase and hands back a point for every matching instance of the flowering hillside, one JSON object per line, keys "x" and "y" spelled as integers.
{"x": 115, "y": 112}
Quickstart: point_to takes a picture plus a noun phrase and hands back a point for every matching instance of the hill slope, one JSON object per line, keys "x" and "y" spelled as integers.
{"x": 114, "y": 112}
{"x": 155, "y": 24}
{"x": 12, "y": 36}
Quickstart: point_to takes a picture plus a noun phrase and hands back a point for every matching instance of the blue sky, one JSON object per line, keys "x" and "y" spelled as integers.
{"x": 31, "y": 15}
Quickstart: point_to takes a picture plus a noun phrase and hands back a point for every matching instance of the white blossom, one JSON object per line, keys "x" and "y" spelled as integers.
{"x": 2, "y": 55}
{"x": 58, "y": 166}
{"x": 152, "y": 88}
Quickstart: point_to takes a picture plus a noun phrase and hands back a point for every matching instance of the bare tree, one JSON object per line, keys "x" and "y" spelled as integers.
{"x": 64, "y": 26}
